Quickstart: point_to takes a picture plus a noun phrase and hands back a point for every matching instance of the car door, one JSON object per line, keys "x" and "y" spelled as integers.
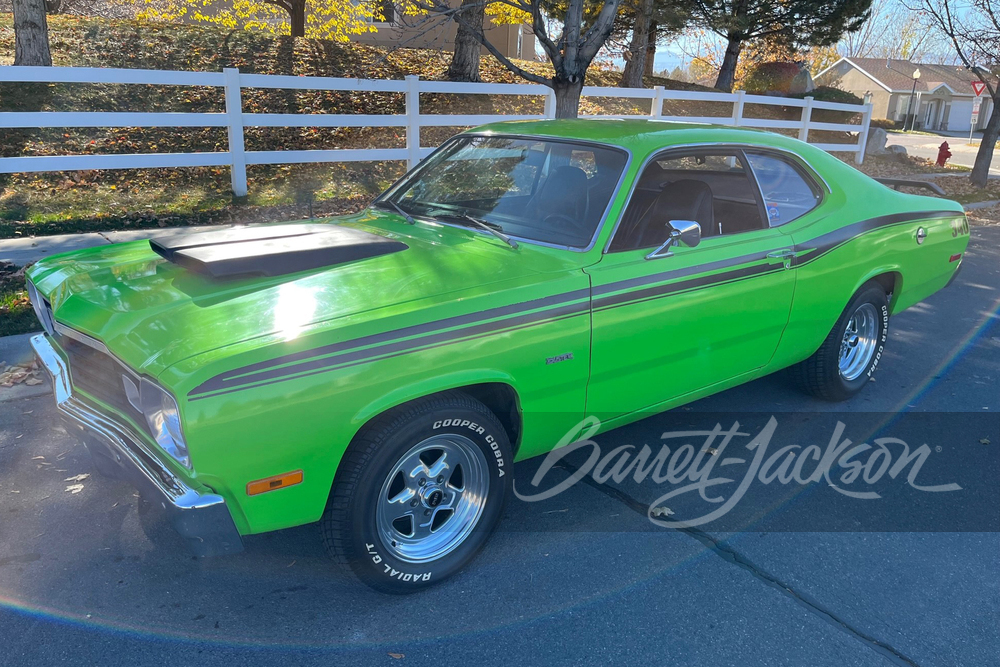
{"x": 667, "y": 326}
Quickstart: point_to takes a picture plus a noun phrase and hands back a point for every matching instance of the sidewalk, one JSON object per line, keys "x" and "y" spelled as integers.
{"x": 926, "y": 146}
{"x": 31, "y": 249}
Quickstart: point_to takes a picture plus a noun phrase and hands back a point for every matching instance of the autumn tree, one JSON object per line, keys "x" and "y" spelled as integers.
{"x": 973, "y": 27}
{"x": 798, "y": 23}
{"x": 894, "y": 31}
{"x": 570, "y": 38}
{"x": 644, "y": 21}
{"x": 464, "y": 64}
{"x": 322, "y": 19}
{"x": 31, "y": 33}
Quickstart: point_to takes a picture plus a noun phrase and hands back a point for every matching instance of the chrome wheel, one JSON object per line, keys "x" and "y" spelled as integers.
{"x": 859, "y": 343}
{"x": 432, "y": 498}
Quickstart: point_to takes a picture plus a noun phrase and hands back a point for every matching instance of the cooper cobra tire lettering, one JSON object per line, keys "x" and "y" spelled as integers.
{"x": 476, "y": 428}
{"x": 882, "y": 339}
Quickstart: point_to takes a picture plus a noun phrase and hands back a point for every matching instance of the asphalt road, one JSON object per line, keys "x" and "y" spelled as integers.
{"x": 926, "y": 145}
{"x": 794, "y": 575}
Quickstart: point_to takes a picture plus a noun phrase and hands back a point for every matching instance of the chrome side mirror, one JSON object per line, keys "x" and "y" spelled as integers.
{"x": 684, "y": 232}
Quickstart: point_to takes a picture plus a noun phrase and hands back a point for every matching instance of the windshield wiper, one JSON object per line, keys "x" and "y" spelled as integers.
{"x": 491, "y": 227}
{"x": 399, "y": 209}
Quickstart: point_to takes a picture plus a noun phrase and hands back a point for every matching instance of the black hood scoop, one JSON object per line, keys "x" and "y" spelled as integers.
{"x": 271, "y": 250}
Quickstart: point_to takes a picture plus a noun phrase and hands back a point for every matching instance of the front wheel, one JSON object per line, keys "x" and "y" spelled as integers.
{"x": 418, "y": 493}
{"x": 846, "y": 360}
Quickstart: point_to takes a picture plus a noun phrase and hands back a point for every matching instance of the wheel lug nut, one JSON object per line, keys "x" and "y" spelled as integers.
{"x": 427, "y": 512}
{"x": 440, "y": 479}
{"x": 413, "y": 503}
{"x": 422, "y": 481}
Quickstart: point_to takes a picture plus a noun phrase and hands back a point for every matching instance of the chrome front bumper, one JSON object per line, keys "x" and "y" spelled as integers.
{"x": 202, "y": 518}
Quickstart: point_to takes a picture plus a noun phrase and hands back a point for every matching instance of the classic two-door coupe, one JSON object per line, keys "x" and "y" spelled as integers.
{"x": 381, "y": 372}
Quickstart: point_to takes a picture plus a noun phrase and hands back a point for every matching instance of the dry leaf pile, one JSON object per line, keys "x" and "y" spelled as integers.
{"x": 29, "y": 374}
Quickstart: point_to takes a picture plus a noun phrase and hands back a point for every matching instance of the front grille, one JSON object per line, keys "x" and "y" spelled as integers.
{"x": 99, "y": 375}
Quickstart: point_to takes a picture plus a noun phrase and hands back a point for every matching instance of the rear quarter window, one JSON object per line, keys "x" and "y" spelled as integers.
{"x": 788, "y": 193}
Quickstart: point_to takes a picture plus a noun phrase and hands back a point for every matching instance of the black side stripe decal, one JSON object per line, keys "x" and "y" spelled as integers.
{"x": 390, "y": 343}
{"x": 683, "y": 285}
{"x": 826, "y": 242}
{"x": 225, "y": 379}
{"x": 221, "y": 382}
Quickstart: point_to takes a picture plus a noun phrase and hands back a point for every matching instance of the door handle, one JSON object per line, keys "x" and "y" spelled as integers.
{"x": 783, "y": 256}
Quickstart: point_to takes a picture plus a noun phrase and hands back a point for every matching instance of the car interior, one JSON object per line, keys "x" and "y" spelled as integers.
{"x": 713, "y": 189}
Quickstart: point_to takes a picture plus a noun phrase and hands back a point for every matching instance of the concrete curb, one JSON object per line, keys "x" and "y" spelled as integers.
{"x": 980, "y": 204}
{"x": 17, "y": 350}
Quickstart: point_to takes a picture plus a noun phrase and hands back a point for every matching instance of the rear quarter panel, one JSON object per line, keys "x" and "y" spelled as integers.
{"x": 872, "y": 232}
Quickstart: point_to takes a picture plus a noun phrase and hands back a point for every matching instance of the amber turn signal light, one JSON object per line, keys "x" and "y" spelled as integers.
{"x": 276, "y": 482}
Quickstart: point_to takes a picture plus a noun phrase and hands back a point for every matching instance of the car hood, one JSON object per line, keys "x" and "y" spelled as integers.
{"x": 152, "y": 313}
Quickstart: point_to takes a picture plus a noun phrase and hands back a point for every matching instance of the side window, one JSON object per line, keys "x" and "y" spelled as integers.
{"x": 786, "y": 191}
{"x": 713, "y": 189}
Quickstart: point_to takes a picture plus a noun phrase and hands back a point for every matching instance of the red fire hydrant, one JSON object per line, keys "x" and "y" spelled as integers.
{"x": 943, "y": 154}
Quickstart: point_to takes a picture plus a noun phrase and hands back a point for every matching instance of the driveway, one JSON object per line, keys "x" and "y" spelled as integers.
{"x": 926, "y": 146}
{"x": 794, "y": 575}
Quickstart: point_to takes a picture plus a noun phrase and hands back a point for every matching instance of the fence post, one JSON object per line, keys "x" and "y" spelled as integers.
{"x": 738, "y": 107}
{"x": 412, "y": 121}
{"x": 806, "y": 117}
{"x": 866, "y": 122}
{"x": 656, "y": 107}
{"x": 550, "y": 104}
{"x": 234, "y": 113}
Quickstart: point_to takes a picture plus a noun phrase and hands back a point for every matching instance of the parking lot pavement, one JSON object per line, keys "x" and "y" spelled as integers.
{"x": 794, "y": 576}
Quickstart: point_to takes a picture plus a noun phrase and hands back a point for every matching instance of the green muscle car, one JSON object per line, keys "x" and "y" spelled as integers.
{"x": 381, "y": 372}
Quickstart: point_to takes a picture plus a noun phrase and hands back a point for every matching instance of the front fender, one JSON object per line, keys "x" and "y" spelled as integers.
{"x": 426, "y": 387}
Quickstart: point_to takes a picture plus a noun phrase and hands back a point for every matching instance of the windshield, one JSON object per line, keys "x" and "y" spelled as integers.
{"x": 549, "y": 191}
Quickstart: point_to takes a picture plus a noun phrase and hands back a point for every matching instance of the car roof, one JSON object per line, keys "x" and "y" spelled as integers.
{"x": 640, "y": 135}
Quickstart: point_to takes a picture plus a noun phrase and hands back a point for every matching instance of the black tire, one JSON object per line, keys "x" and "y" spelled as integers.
{"x": 350, "y": 528}
{"x": 820, "y": 374}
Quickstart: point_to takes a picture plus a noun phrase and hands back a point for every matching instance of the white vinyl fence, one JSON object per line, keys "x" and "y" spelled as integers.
{"x": 232, "y": 82}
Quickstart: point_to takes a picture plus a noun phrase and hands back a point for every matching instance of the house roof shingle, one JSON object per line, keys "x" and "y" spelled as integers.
{"x": 898, "y": 76}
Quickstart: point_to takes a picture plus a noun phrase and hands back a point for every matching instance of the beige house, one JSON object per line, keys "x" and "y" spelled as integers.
{"x": 942, "y": 99}
{"x": 513, "y": 41}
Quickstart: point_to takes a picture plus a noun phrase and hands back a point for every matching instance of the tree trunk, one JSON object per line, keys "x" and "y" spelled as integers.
{"x": 981, "y": 167}
{"x": 465, "y": 60}
{"x": 635, "y": 57}
{"x": 31, "y": 33}
{"x": 651, "y": 49}
{"x": 297, "y": 17}
{"x": 567, "y": 96}
{"x": 727, "y": 73}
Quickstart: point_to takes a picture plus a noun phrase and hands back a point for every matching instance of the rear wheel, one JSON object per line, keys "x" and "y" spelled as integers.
{"x": 418, "y": 493}
{"x": 847, "y": 359}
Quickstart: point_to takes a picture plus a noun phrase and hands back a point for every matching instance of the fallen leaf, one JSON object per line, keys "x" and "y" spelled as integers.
{"x": 31, "y": 382}
{"x": 712, "y": 451}
{"x": 77, "y": 478}
{"x": 397, "y": 656}
{"x": 662, "y": 511}
{"x": 74, "y": 488}
{"x": 984, "y": 441}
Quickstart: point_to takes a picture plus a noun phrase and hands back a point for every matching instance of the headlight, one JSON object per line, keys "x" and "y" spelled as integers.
{"x": 42, "y": 310}
{"x": 164, "y": 419}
